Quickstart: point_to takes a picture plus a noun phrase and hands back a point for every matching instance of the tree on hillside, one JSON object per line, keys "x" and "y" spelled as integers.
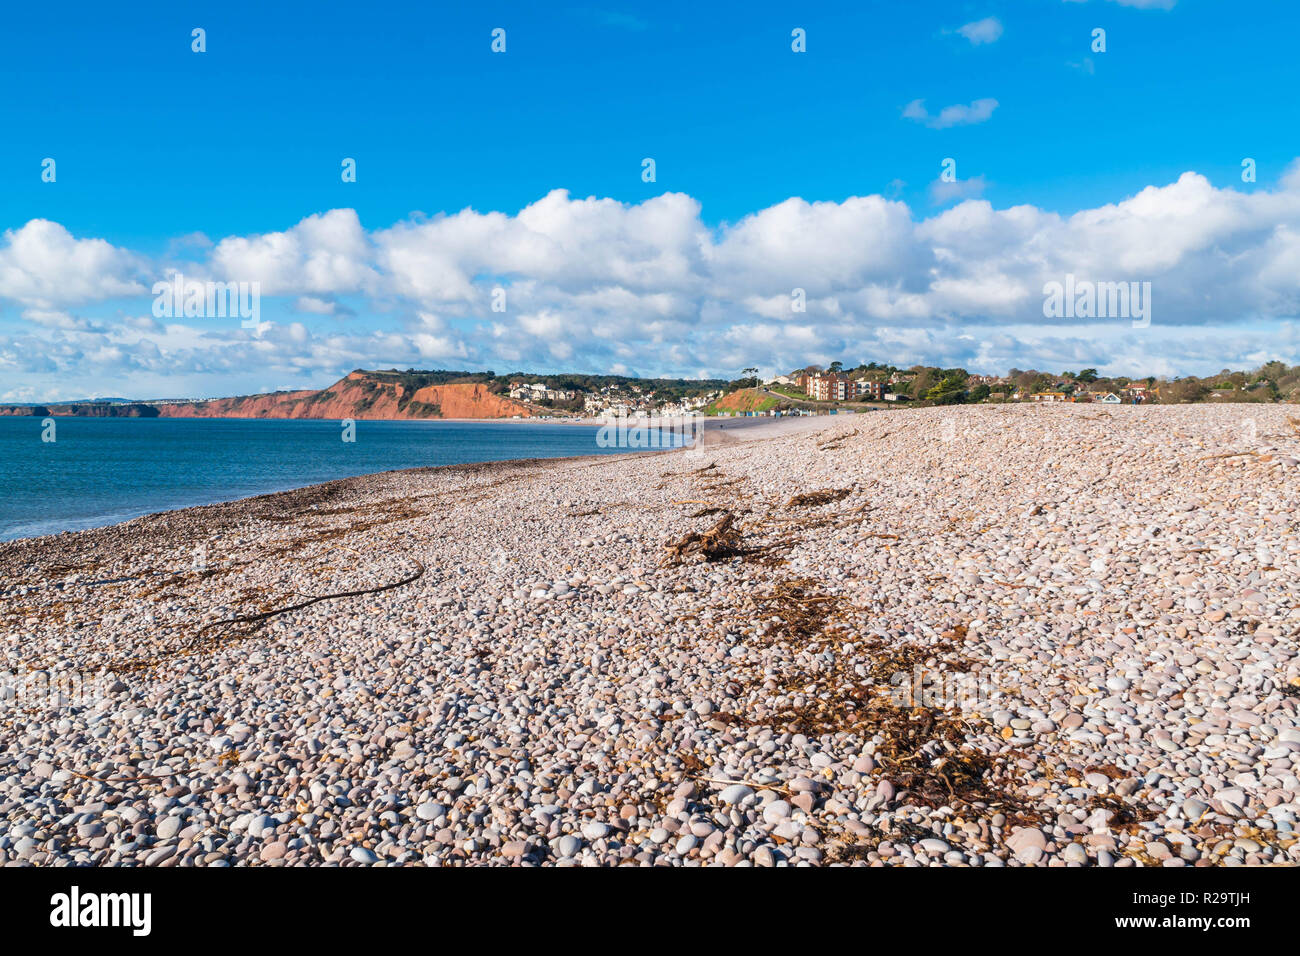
{"x": 1029, "y": 380}
{"x": 951, "y": 390}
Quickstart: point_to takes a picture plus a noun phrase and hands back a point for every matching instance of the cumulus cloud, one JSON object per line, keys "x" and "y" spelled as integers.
{"x": 958, "y": 114}
{"x": 818, "y": 246}
{"x": 44, "y": 265}
{"x": 325, "y": 253}
{"x": 568, "y": 243}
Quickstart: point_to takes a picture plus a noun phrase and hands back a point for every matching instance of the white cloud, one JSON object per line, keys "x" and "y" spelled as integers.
{"x": 978, "y": 111}
{"x": 816, "y": 246}
{"x": 323, "y": 254}
{"x": 571, "y": 243}
{"x": 983, "y": 31}
{"x": 44, "y": 265}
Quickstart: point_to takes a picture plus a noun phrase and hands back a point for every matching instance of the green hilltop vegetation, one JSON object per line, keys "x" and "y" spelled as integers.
{"x": 1270, "y": 382}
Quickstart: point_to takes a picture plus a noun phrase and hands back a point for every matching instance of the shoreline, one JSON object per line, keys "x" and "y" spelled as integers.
{"x": 533, "y": 420}
{"x": 753, "y": 428}
{"x": 988, "y": 637}
{"x": 283, "y": 501}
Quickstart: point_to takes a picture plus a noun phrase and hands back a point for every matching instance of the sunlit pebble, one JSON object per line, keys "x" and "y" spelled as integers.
{"x": 1129, "y": 592}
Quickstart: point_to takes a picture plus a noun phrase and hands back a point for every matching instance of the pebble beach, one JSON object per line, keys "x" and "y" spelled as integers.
{"x": 970, "y": 636}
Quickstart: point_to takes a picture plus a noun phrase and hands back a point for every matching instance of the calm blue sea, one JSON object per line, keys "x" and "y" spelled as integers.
{"x": 100, "y": 471}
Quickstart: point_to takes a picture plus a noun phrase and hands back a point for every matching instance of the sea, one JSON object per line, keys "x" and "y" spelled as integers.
{"x": 101, "y": 471}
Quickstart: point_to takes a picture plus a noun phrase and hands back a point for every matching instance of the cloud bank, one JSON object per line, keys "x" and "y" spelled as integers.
{"x": 595, "y": 284}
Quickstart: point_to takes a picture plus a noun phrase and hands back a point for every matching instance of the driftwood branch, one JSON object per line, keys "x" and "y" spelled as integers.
{"x": 257, "y": 620}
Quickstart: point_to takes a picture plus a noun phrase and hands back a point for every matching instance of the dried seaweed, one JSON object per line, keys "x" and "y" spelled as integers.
{"x": 705, "y": 512}
{"x": 837, "y": 441}
{"x": 719, "y": 542}
{"x": 923, "y": 748}
{"x": 811, "y": 499}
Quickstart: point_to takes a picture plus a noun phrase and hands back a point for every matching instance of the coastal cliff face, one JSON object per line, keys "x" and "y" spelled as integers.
{"x": 358, "y": 395}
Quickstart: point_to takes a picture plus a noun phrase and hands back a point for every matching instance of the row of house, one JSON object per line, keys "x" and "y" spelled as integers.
{"x": 688, "y": 405}
{"x": 613, "y": 400}
{"x": 1105, "y": 398}
{"x": 537, "y": 391}
{"x": 1109, "y": 398}
{"x": 838, "y": 387}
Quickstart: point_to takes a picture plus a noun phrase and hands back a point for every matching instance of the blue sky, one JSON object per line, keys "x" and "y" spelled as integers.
{"x": 162, "y": 153}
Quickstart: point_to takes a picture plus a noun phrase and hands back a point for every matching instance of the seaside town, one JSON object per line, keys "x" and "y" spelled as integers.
{"x": 816, "y": 390}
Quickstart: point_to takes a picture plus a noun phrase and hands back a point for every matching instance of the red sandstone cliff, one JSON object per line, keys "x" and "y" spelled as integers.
{"x": 359, "y": 395}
